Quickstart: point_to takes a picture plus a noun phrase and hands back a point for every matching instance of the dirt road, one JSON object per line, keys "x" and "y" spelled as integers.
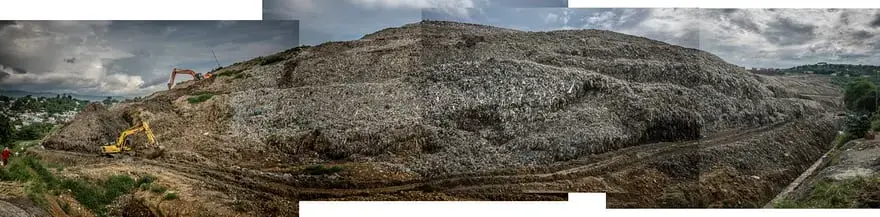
{"x": 246, "y": 184}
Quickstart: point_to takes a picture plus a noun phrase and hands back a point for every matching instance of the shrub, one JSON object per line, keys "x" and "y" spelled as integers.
{"x": 118, "y": 185}
{"x": 270, "y": 59}
{"x": 857, "y": 125}
{"x": 86, "y": 194}
{"x": 158, "y": 188}
{"x": 200, "y": 98}
{"x": 170, "y": 196}
{"x": 859, "y": 96}
{"x": 321, "y": 170}
{"x": 65, "y": 207}
{"x": 843, "y": 139}
{"x": 145, "y": 180}
{"x": 4, "y": 175}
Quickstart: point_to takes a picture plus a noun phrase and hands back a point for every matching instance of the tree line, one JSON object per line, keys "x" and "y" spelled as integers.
{"x": 52, "y": 105}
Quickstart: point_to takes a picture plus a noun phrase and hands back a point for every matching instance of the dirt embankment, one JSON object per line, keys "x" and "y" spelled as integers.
{"x": 451, "y": 111}
{"x": 848, "y": 177}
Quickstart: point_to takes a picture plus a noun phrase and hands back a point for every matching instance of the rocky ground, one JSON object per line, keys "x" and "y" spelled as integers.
{"x": 847, "y": 177}
{"x": 453, "y": 111}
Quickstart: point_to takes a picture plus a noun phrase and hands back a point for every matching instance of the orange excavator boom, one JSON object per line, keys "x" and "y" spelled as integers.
{"x": 175, "y": 71}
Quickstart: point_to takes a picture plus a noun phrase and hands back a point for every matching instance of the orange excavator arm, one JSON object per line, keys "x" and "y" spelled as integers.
{"x": 175, "y": 71}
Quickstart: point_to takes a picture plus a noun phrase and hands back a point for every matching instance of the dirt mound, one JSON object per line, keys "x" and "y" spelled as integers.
{"x": 93, "y": 127}
{"x": 448, "y": 98}
{"x": 473, "y": 112}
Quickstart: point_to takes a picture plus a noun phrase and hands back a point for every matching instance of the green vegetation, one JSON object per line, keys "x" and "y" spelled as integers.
{"x": 52, "y": 105}
{"x": 860, "y": 100}
{"x": 270, "y": 59}
{"x": 200, "y": 98}
{"x": 109, "y": 101}
{"x": 843, "y": 139}
{"x": 34, "y": 131}
{"x": 7, "y": 132}
{"x": 852, "y": 70}
{"x": 156, "y": 188}
{"x": 65, "y": 207}
{"x": 94, "y": 195}
{"x": 854, "y": 192}
{"x": 170, "y": 196}
{"x": 321, "y": 170}
{"x": 860, "y": 96}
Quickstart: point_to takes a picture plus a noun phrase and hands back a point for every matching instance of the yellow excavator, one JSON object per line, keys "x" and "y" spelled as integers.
{"x": 123, "y": 144}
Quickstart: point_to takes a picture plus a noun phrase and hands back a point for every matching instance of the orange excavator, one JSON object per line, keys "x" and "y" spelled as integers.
{"x": 196, "y": 76}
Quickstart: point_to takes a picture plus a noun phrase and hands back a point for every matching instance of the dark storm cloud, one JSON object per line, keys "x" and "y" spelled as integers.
{"x": 862, "y": 35}
{"x": 129, "y": 57}
{"x": 876, "y": 21}
{"x": 4, "y": 23}
{"x": 786, "y": 31}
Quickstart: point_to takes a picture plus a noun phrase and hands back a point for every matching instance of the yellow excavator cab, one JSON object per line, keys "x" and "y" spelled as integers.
{"x": 122, "y": 144}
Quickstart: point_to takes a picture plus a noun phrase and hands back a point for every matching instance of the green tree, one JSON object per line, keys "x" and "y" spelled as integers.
{"x": 860, "y": 96}
{"x": 6, "y": 131}
{"x": 34, "y": 131}
{"x": 108, "y": 101}
{"x": 857, "y": 125}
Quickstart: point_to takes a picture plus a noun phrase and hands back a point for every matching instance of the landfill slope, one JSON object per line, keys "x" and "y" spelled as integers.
{"x": 453, "y": 111}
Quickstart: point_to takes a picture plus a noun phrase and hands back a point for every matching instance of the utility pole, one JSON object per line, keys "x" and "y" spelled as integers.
{"x": 215, "y": 58}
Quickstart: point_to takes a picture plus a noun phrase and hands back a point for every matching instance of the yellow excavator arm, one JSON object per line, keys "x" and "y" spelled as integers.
{"x": 122, "y": 146}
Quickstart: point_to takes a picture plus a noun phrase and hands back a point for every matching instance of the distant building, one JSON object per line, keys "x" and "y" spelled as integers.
{"x": 822, "y": 63}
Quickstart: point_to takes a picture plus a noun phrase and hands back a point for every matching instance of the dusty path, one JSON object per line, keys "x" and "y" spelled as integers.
{"x": 244, "y": 181}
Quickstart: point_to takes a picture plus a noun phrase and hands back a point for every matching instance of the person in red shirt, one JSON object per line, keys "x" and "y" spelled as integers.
{"x": 5, "y": 155}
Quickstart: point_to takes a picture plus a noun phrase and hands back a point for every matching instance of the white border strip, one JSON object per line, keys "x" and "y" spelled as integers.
{"x": 722, "y": 4}
{"x": 579, "y": 204}
{"x": 132, "y": 10}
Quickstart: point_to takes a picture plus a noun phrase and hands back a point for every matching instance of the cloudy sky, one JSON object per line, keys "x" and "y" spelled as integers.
{"x": 746, "y": 37}
{"x": 127, "y": 58}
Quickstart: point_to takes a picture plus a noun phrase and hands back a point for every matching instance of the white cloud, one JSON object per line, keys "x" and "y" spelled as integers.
{"x": 458, "y": 8}
{"x": 604, "y": 20}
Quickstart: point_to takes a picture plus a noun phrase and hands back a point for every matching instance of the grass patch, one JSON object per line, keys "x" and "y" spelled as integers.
{"x": 20, "y": 146}
{"x": 65, "y": 207}
{"x": 158, "y": 188}
{"x": 170, "y": 196}
{"x": 146, "y": 180}
{"x": 321, "y": 170}
{"x": 269, "y": 59}
{"x": 849, "y": 193}
{"x": 842, "y": 139}
{"x": 230, "y": 73}
{"x": 200, "y": 98}
{"x": 39, "y": 180}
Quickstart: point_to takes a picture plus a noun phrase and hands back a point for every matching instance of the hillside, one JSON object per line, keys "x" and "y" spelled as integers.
{"x": 453, "y": 111}
{"x": 824, "y": 68}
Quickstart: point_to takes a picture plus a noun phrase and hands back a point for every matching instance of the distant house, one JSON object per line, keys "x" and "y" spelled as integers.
{"x": 809, "y": 72}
